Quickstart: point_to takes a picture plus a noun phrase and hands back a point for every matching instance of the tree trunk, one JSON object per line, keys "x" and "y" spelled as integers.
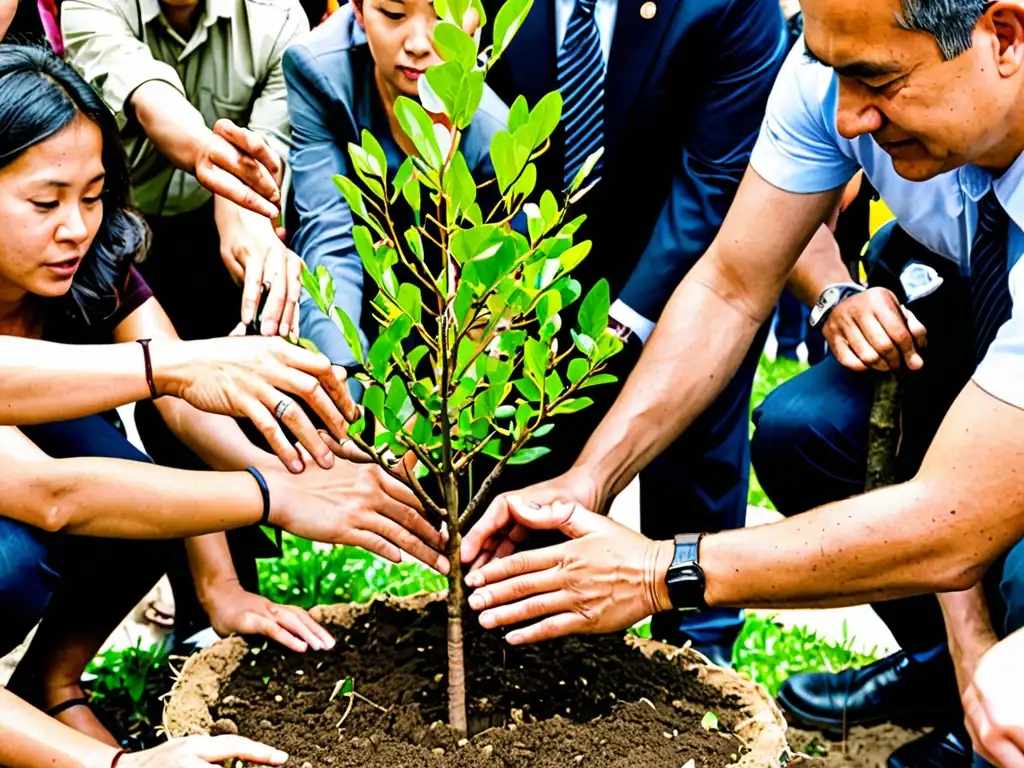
{"x": 457, "y": 718}
{"x": 884, "y": 431}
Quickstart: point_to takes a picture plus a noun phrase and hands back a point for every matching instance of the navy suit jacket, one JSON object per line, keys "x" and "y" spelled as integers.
{"x": 332, "y": 97}
{"x": 684, "y": 99}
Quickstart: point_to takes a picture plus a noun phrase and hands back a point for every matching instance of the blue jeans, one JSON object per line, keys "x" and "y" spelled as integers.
{"x": 33, "y": 562}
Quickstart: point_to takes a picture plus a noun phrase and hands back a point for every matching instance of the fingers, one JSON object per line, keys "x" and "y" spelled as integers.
{"x": 259, "y": 413}
{"x": 372, "y": 542}
{"x": 217, "y": 749}
{"x": 227, "y": 184}
{"x": 276, "y": 630}
{"x": 899, "y": 332}
{"x": 518, "y": 564}
{"x": 401, "y": 534}
{"x": 521, "y": 587}
{"x": 493, "y": 520}
{"x": 338, "y": 409}
{"x": 300, "y": 624}
{"x": 399, "y": 491}
{"x": 845, "y": 356}
{"x": 517, "y": 535}
{"x": 252, "y": 286}
{"x": 313, "y": 394}
{"x": 293, "y": 286}
{"x": 275, "y": 273}
{"x": 308, "y": 436}
{"x": 917, "y": 330}
{"x": 326, "y": 639}
{"x": 346, "y": 449}
{"x": 878, "y": 339}
{"x": 991, "y": 740}
{"x": 333, "y": 382}
{"x": 535, "y": 607}
{"x": 252, "y": 145}
{"x": 548, "y": 629}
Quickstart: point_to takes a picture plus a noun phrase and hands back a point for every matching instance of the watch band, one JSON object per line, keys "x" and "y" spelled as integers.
{"x": 831, "y": 297}
{"x": 685, "y": 577}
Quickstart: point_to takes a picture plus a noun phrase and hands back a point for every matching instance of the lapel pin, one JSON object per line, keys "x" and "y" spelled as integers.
{"x": 648, "y": 9}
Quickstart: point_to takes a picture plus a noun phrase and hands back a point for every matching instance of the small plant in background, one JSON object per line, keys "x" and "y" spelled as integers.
{"x": 770, "y": 653}
{"x": 309, "y": 574}
{"x": 467, "y": 361}
{"x": 129, "y": 683}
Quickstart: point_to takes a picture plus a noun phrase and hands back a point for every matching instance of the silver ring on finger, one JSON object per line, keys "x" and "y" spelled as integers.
{"x": 282, "y": 406}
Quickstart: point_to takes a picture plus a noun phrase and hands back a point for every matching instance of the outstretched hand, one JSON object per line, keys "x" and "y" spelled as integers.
{"x": 498, "y": 531}
{"x": 233, "y": 610}
{"x": 606, "y": 578}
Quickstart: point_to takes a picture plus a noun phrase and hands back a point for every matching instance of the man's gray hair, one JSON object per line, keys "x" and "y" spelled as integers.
{"x": 950, "y": 22}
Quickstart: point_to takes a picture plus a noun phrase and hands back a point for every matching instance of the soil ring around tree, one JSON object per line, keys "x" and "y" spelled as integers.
{"x": 378, "y": 699}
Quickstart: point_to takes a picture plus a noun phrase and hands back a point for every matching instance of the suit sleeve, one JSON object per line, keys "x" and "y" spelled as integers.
{"x": 750, "y": 41}
{"x": 324, "y": 232}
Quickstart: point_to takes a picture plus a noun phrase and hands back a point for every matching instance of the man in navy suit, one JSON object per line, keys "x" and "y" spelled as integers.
{"x": 674, "y": 92}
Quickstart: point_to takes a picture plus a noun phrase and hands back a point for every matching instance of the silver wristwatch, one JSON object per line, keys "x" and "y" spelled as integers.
{"x": 829, "y": 299}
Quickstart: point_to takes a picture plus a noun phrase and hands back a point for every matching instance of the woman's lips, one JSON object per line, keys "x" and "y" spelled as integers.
{"x": 66, "y": 268}
{"x": 411, "y": 73}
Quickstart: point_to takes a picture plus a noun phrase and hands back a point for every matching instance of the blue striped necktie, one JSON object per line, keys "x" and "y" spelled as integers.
{"x": 581, "y": 70}
{"x": 990, "y": 285}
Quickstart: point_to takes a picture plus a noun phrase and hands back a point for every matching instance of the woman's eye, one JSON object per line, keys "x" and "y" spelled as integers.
{"x": 45, "y": 205}
{"x": 93, "y": 200}
{"x": 392, "y": 15}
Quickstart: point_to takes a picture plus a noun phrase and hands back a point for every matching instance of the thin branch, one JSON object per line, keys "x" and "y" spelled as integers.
{"x": 423, "y": 231}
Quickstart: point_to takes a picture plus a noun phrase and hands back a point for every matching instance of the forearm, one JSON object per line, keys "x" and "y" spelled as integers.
{"x": 969, "y": 630}
{"x": 217, "y": 440}
{"x": 175, "y": 127}
{"x": 679, "y": 374}
{"x": 231, "y": 219}
{"x": 894, "y": 542}
{"x": 117, "y": 499}
{"x": 29, "y": 739}
{"x": 820, "y": 265}
{"x": 36, "y": 379}
{"x": 209, "y": 559}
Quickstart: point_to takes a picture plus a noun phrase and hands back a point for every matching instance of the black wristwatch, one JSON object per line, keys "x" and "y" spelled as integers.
{"x": 685, "y": 577}
{"x": 829, "y": 299}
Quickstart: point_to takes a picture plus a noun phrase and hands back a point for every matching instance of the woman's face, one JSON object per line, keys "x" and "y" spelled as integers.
{"x": 400, "y": 35}
{"x": 51, "y": 208}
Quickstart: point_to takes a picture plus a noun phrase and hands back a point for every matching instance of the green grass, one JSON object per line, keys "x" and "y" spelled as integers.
{"x": 769, "y": 376}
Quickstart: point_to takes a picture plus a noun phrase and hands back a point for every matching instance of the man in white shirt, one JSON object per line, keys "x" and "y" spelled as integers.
{"x": 927, "y": 96}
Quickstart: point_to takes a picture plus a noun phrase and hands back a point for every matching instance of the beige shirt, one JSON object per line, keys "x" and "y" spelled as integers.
{"x": 230, "y": 68}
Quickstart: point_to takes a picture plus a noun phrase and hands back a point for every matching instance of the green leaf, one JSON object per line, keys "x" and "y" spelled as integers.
{"x": 493, "y": 449}
{"x": 414, "y": 357}
{"x": 326, "y": 282}
{"x": 585, "y": 169}
{"x": 599, "y": 378}
{"x": 593, "y": 316}
{"x": 364, "y": 166}
{"x": 415, "y": 242}
{"x": 549, "y": 304}
{"x": 387, "y": 344}
{"x": 528, "y": 389}
{"x": 535, "y": 360}
{"x": 402, "y": 177}
{"x": 373, "y": 401}
{"x": 342, "y": 688}
{"x": 422, "y": 431}
{"x": 467, "y": 100}
{"x": 549, "y": 208}
{"x": 411, "y": 300}
{"x": 466, "y": 244}
{"x": 543, "y": 430}
{"x": 572, "y": 405}
{"x": 459, "y": 184}
{"x": 463, "y": 303}
{"x": 350, "y": 332}
{"x": 511, "y": 341}
{"x": 544, "y": 117}
{"x": 553, "y": 386}
{"x": 584, "y": 343}
{"x": 524, "y": 413}
{"x": 526, "y": 455}
{"x": 569, "y": 288}
{"x": 710, "y": 720}
{"x": 411, "y": 194}
{"x": 398, "y": 402}
{"x": 507, "y": 156}
{"x": 573, "y": 226}
{"x": 507, "y": 23}
{"x": 312, "y": 286}
{"x": 550, "y": 328}
{"x": 504, "y": 412}
{"x": 420, "y": 129}
{"x": 452, "y": 44}
{"x": 576, "y": 254}
{"x": 440, "y": 91}
{"x": 578, "y": 368}
{"x": 518, "y": 114}
{"x": 526, "y": 183}
{"x": 353, "y": 196}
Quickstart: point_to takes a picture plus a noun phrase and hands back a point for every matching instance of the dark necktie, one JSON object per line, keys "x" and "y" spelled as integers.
{"x": 581, "y": 71}
{"x": 990, "y": 287}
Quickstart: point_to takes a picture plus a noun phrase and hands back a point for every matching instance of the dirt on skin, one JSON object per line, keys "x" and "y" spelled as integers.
{"x": 863, "y": 747}
{"x": 587, "y": 701}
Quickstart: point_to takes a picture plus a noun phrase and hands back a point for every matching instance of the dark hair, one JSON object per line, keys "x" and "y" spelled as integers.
{"x": 950, "y": 22}
{"x": 40, "y": 95}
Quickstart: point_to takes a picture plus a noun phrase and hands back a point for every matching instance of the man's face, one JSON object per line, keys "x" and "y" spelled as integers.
{"x": 929, "y": 114}
{"x": 7, "y": 10}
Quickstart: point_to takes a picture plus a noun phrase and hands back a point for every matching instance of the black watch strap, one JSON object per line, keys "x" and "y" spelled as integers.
{"x": 685, "y": 578}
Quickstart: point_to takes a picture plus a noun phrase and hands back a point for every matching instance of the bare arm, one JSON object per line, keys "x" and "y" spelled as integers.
{"x": 818, "y": 266}
{"x": 727, "y": 295}
{"x": 935, "y": 533}
{"x": 968, "y": 630}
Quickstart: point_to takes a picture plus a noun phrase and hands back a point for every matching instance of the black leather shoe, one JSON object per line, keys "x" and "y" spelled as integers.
{"x": 891, "y": 689}
{"x": 938, "y": 749}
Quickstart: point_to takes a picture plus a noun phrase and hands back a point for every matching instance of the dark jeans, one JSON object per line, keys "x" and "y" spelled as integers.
{"x": 810, "y": 443}
{"x": 699, "y": 483}
{"x": 791, "y": 329}
{"x": 52, "y": 573}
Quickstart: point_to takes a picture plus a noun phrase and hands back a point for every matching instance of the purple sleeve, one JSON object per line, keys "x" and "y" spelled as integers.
{"x": 134, "y": 294}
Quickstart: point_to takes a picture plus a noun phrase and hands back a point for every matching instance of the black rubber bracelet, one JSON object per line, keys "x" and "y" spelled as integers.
{"x": 264, "y": 492}
{"x": 144, "y": 343}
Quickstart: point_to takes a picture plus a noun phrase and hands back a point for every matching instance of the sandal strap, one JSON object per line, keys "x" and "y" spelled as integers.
{"x": 66, "y": 705}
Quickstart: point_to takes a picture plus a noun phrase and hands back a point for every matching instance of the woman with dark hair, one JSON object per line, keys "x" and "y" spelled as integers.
{"x": 66, "y": 275}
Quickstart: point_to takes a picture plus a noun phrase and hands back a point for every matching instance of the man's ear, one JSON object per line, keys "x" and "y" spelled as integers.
{"x": 1007, "y": 23}
{"x": 357, "y": 6}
